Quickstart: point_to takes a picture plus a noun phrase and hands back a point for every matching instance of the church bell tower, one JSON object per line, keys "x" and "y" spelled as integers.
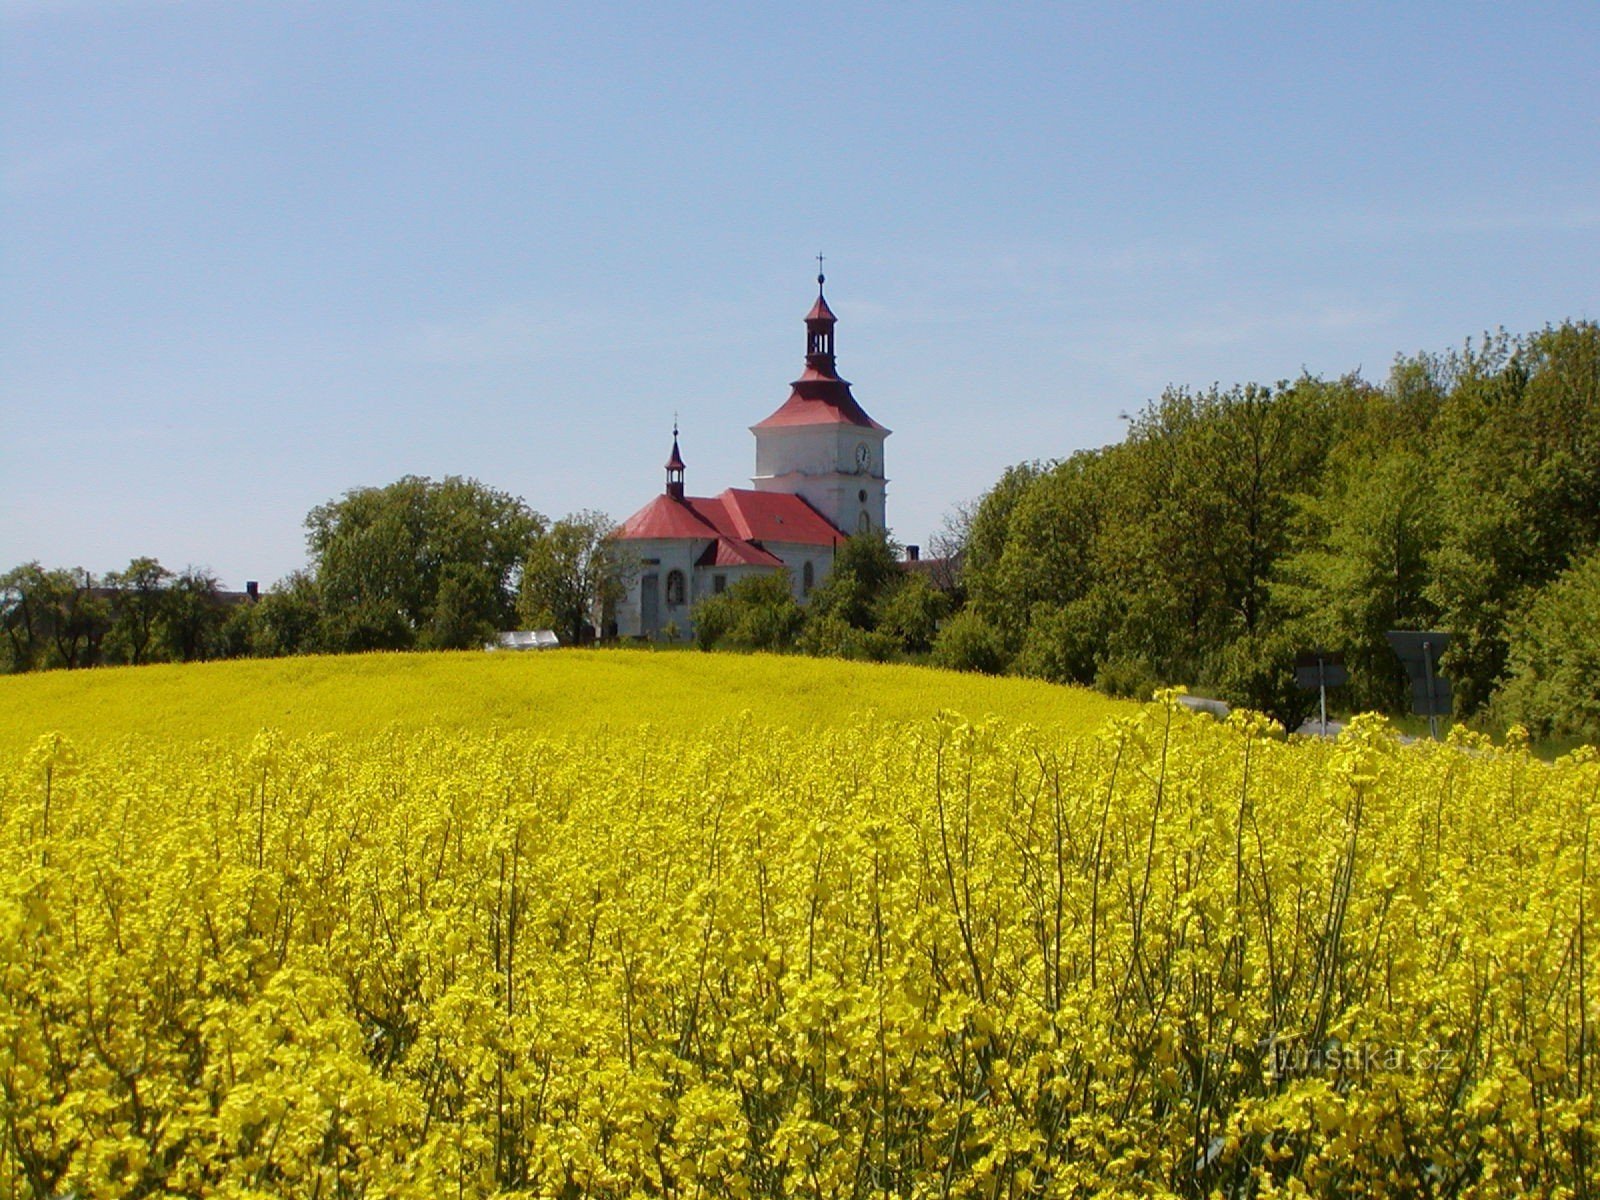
{"x": 820, "y": 444}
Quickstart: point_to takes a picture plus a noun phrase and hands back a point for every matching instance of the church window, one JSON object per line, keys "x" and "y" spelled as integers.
{"x": 863, "y": 523}
{"x": 674, "y": 587}
{"x": 862, "y": 495}
{"x": 808, "y": 579}
{"x": 719, "y": 584}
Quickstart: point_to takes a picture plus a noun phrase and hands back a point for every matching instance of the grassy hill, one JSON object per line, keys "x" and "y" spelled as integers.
{"x": 566, "y": 691}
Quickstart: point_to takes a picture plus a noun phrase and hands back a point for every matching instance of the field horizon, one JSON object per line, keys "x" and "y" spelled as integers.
{"x": 560, "y": 692}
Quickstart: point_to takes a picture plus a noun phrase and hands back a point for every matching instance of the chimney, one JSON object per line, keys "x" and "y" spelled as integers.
{"x": 913, "y": 553}
{"x": 253, "y": 590}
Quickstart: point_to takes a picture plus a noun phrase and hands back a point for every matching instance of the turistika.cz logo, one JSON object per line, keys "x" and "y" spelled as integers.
{"x": 1359, "y": 1058}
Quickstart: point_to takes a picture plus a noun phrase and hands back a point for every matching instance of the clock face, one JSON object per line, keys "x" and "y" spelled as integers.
{"x": 863, "y": 456}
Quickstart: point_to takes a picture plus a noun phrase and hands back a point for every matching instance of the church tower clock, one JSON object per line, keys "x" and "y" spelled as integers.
{"x": 820, "y": 444}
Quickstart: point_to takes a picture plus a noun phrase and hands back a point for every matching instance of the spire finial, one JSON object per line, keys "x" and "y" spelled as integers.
{"x": 675, "y": 465}
{"x": 820, "y": 276}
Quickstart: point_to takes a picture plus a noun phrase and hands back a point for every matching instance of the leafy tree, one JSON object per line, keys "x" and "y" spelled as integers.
{"x": 866, "y": 569}
{"x": 380, "y": 555}
{"x": 466, "y": 596}
{"x": 139, "y": 595}
{"x": 909, "y": 614}
{"x": 192, "y": 616}
{"x": 1553, "y": 676}
{"x": 1363, "y": 569}
{"x": 24, "y": 616}
{"x": 77, "y": 616}
{"x": 969, "y": 643}
{"x": 288, "y": 619}
{"x": 1048, "y": 554}
{"x": 1518, "y": 443}
{"x": 572, "y": 575}
{"x": 756, "y": 613}
{"x": 990, "y": 523}
{"x": 1064, "y": 644}
{"x": 831, "y": 636}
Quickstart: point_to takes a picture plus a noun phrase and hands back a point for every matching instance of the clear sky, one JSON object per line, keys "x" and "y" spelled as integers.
{"x": 258, "y": 253}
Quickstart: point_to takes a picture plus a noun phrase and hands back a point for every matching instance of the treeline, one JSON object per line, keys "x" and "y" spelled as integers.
{"x": 419, "y": 564}
{"x": 1233, "y": 528}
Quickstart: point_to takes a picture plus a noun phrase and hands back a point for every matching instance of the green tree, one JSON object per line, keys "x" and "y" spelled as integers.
{"x": 573, "y": 575}
{"x": 756, "y": 613}
{"x": 380, "y": 556}
{"x": 1363, "y": 569}
{"x": 911, "y": 612}
{"x": 1553, "y": 672}
{"x": 1518, "y": 446}
{"x": 192, "y": 616}
{"x": 969, "y": 643}
{"x": 866, "y": 569}
{"x": 25, "y": 617}
{"x": 77, "y": 616}
{"x": 139, "y": 594}
{"x": 289, "y": 618}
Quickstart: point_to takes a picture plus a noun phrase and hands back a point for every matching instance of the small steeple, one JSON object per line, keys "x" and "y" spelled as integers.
{"x": 675, "y": 467}
{"x": 819, "y": 330}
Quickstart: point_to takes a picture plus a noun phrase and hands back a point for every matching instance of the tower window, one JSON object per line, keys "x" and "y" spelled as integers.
{"x": 674, "y": 588}
{"x": 808, "y": 579}
{"x": 863, "y": 523}
{"x": 862, "y": 495}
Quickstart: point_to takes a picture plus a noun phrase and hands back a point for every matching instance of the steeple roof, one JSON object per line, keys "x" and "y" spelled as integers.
{"x": 819, "y": 397}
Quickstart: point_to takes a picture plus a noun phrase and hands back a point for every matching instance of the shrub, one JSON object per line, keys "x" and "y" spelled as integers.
{"x": 758, "y": 613}
{"x": 830, "y": 636}
{"x": 969, "y": 643}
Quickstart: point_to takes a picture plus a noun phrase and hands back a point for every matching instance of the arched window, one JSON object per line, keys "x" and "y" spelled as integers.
{"x": 863, "y": 523}
{"x": 808, "y": 578}
{"x": 674, "y": 588}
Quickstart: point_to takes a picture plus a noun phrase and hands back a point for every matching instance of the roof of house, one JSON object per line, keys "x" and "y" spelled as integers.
{"x": 738, "y": 516}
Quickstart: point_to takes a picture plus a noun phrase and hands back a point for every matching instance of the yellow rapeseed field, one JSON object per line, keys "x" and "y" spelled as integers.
{"x": 553, "y": 692}
{"x": 906, "y": 955}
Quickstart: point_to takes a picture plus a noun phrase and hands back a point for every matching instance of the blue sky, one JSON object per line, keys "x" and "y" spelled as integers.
{"x": 255, "y": 254}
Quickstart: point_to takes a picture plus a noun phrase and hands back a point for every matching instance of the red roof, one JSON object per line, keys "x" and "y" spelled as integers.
{"x": 819, "y": 399}
{"x": 725, "y": 552}
{"x": 738, "y": 516}
{"x": 666, "y": 517}
{"x": 820, "y": 311}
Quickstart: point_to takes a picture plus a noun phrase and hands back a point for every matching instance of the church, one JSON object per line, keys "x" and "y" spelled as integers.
{"x": 819, "y": 478}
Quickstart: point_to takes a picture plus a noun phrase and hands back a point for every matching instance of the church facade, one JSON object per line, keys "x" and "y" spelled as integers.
{"x": 819, "y": 479}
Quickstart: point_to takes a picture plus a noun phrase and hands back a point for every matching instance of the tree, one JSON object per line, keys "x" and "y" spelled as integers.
{"x": 866, "y": 569}
{"x": 192, "y": 616}
{"x": 1518, "y": 446}
{"x": 1553, "y": 674}
{"x": 969, "y": 643}
{"x": 756, "y": 613}
{"x": 911, "y": 612}
{"x": 139, "y": 594}
{"x": 77, "y": 616}
{"x": 572, "y": 575}
{"x": 380, "y": 555}
{"x": 289, "y": 618}
{"x": 1363, "y": 569}
{"x": 24, "y": 616}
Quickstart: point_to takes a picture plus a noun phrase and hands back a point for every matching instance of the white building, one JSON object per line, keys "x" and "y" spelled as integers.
{"x": 819, "y": 478}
